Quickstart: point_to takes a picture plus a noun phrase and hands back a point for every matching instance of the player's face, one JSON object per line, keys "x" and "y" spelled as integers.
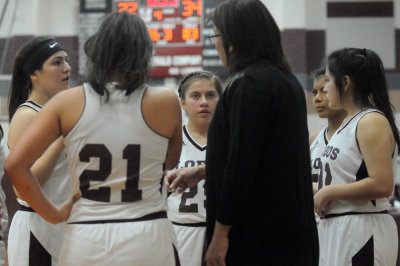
{"x": 54, "y": 75}
{"x": 320, "y": 100}
{"x": 332, "y": 93}
{"x": 219, "y": 45}
{"x": 200, "y": 101}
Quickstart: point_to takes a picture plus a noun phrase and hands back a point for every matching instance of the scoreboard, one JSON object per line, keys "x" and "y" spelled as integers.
{"x": 176, "y": 29}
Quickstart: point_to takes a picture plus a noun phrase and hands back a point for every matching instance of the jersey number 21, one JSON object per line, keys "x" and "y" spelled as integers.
{"x": 131, "y": 192}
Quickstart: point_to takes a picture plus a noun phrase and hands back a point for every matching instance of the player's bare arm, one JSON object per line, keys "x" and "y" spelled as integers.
{"x": 45, "y": 164}
{"x": 162, "y": 113}
{"x": 376, "y": 145}
{"x": 26, "y": 151}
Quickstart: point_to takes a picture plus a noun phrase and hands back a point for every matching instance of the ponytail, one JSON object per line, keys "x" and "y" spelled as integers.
{"x": 20, "y": 90}
{"x": 365, "y": 69}
{"x": 376, "y": 90}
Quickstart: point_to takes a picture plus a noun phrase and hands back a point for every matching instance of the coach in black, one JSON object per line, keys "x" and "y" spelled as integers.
{"x": 258, "y": 176}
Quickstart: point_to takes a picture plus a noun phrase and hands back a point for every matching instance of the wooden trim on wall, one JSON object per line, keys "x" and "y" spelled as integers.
{"x": 360, "y": 9}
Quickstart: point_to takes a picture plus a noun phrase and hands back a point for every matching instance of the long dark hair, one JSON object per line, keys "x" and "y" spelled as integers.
{"x": 366, "y": 71}
{"x": 121, "y": 46}
{"x": 21, "y": 85}
{"x": 249, "y": 33}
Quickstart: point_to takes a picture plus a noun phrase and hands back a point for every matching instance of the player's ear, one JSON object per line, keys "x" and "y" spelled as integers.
{"x": 34, "y": 75}
{"x": 182, "y": 103}
{"x": 346, "y": 83}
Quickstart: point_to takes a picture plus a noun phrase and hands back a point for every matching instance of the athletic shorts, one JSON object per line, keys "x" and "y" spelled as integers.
{"x": 23, "y": 247}
{"x": 362, "y": 239}
{"x": 191, "y": 244}
{"x": 149, "y": 242}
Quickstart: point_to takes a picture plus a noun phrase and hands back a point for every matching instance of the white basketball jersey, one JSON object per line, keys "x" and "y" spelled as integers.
{"x": 115, "y": 160}
{"x": 189, "y": 207}
{"x": 58, "y": 187}
{"x": 342, "y": 163}
{"x": 316, "y": 149}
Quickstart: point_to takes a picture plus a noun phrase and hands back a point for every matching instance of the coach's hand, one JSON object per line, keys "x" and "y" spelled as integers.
{"x": 219, "y": 244}
{"x": 180, "y": 179}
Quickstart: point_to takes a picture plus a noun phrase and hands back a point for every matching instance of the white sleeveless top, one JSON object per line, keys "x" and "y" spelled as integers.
{"x": 343, "y": 163}
{"x": 115, "y": 159}
{"x": 58, "y": 187}
{"x": 189, "y": 207}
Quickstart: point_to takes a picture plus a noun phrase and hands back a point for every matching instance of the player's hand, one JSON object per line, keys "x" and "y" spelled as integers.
{"x": 65, "y": 208}
{"x": 180, "y": 179}
{"x": 321, "y": 200}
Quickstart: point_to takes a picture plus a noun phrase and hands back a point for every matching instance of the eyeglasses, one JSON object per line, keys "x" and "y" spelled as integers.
{"x": 212, "y": 37}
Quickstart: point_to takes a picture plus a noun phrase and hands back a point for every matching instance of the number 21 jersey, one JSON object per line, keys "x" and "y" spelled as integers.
{"x": 343, "y": 163}
{"x": 115, "y": 159}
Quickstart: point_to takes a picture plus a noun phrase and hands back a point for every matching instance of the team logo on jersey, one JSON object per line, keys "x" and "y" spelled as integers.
{"x": 330, "y": 152}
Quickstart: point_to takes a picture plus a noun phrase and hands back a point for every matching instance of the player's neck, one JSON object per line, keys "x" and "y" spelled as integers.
{"x": 38, "y": 98}
{"x": 198, "y": 133}
{"x": 333, "y": 125}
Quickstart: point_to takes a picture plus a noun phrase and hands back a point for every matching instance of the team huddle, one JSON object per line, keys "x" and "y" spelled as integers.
{"x": 107, "y": 173}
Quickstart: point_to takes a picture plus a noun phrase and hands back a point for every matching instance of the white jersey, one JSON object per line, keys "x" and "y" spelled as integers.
{"x": 343, "y": 163}
{"x": 115, "y": 159}
{"x": 316, "y": 149}
{"x": 58, "y": 187}
{"x": 189, "y": 207}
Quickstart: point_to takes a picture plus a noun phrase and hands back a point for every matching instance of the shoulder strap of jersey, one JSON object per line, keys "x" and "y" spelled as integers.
{"x": 32, "y": 105}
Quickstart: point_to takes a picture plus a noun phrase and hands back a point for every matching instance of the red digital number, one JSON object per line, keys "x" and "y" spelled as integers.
{"x": 130, "y": 7}
{"x": 190, "y": 34}
{"x": 158, "y": 15}
{"x": 161, "y": 3}
{"x": 190, "y": 6}
{"x": 166, "y": 34}
{"x": 154, "y": 35}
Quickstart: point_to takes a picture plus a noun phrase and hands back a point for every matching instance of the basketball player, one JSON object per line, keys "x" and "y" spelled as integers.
{"x": 199, "y": 93}
{"x": 41, "y": 70}
{"x": 358, "y": 163}
{"x": 319, "y": 139}
{"x": 119, "y": 136}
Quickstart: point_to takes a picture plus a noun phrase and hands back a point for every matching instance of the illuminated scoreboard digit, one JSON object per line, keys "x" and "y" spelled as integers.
{"x": 170, "y": 22}
{"x": 175, "y": 27}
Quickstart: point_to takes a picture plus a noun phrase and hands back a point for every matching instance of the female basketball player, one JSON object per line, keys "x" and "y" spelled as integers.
{"x": 118, "y": 133}
{"x": 358, "y": 164}
{"x": 320, "y": 138}
{"x": 199, "y": 93}
{"x": 258, "y": 176}
{"x": 41, "y": 70}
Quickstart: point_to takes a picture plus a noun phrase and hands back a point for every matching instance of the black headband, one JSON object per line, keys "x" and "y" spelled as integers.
{"x": 190, "y": 76}
{"x": 37, "y": 59}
